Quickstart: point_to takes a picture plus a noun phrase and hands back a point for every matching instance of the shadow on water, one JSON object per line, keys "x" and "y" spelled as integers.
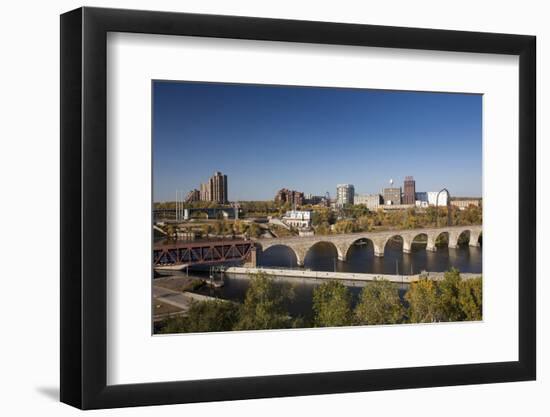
{"x": 360, "y": 258}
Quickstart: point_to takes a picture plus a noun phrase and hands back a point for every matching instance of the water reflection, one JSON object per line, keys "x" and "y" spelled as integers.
{"x": 360, "y": 258}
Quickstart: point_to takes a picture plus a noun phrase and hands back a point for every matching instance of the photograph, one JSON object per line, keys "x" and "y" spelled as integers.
{"x": 325, "y": 208}
{"x": 289, "y": 207}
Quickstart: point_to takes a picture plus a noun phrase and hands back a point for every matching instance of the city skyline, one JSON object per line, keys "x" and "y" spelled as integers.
{"x": 265, "y": 138}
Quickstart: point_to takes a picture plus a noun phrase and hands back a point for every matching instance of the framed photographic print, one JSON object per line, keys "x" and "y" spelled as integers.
{"x": 257, "y": 208}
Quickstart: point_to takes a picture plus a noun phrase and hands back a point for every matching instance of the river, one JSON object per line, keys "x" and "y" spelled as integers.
{"x": 323, "y": 257}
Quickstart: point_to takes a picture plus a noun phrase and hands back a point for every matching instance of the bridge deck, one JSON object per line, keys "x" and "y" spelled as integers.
{"x": 374, "y": 234}
{"x": 175, "y": 244}
{"x": 200, "y": 252}
{"x": 301, "y": 244}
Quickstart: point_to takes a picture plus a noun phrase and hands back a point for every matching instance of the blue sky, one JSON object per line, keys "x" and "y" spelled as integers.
{"x": 311, "y": 139}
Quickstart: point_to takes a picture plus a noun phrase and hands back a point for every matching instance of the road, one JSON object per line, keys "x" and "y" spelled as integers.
{"x": 178, "y": 299}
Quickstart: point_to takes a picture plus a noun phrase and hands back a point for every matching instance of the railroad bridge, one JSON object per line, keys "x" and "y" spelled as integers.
{"x": 342, "y": 242}
{"x": 201, "y": 252}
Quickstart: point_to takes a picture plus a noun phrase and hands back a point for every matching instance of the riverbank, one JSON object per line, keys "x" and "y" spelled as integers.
{"x": 346, "y": 276}
{"x": 174, "y": 296}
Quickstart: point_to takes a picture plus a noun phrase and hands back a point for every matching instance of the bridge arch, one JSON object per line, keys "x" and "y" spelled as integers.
{"x": 339, "y": 252}
{"x": 361, "y": 240}
{"x": 413, "y": 238}
{"x": 298, "y": 254}
{"x": 288, "y": 256}
{"x": 468, "y": 235}
{"x": 343, "y": 242}
{"x": 438, "y": 239}
{"x": 461, "y": 236}
{"x": 476, "y": 238}
{"x": 398, "y": 237}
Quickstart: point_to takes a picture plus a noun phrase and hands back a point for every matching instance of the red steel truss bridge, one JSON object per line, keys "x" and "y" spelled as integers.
{"x": 201, "y": 252}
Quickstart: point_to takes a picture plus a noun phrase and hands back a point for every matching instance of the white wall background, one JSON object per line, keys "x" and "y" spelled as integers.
{"x": 29, "y": 175}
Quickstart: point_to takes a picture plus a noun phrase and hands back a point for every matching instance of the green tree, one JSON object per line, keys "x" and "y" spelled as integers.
{"x": 449, "y": 296}
{"x": 470, "y": 298}
{"x": 331, "y": 217}
{"x": 431, "y": 214}
{"x": 424, "y": 306}
{"x": 394, "y": 218}
{"x": 379, "y": 303}
{"x": 254, "y": 230}
{"x": 219, "y": 227}
{"x": 365, "y": 223}
{"x": 323, "y": 229}
{"x": 265, "y": 305}
{"x": 206, "y": 229}
{"x": 170, "y": 230}
{"x": 204, "y": 316}
{"x": 239, "y": 227}
{"x": 380, "y": 217}
{"x": 344, "y": 226}
{"x": 332, "y": 305}
{"x": 409, "y": 219}
{"x": 316, "y": 218}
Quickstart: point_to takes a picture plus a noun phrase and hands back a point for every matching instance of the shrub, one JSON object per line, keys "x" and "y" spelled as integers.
{"x": 204, "y": 316}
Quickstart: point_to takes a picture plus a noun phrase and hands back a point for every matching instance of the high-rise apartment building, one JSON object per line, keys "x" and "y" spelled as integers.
{"x": 293, "y": 197}
{"x": 218, "y": 188}
{"x": 409, "y": 191}
{"x": 345, "y": 194}
{"x": 215, "y": 189}
{"x": 193, "y": 195}
{"x": 205, "y": 192}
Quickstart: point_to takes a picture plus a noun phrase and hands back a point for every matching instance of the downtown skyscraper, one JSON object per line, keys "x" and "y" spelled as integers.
{"x": 215, "y": 189}
{"x": 409, "y": 191}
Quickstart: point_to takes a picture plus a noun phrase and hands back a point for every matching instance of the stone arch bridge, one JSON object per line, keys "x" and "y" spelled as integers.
{"x": 342, "y": 242}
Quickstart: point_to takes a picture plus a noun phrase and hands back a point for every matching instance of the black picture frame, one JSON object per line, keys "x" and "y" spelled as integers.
{"x": 84, "y": 207}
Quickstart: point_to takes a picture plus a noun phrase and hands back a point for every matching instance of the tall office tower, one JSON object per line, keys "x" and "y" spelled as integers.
{"x": 345, "y": 194}
{"x": 218, "y": 188}
{"x": 410, "y": 190}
